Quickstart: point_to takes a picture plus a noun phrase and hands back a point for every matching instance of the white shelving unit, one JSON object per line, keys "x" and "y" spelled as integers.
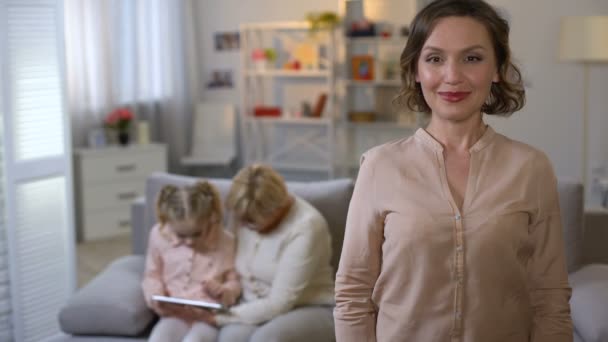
{"x": 289, "y": 142}
{"x": 373, "y": 95}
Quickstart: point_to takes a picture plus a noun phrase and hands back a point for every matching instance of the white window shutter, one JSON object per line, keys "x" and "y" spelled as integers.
{"x": 36, "y": 223}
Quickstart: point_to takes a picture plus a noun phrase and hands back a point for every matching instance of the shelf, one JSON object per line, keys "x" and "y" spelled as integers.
{"x": 279, "y": 25}
{"x": 381, "y": 125}
{"x": 385, "y": 83}
{"x": 283, "y": 120}
{"x": 376, "y": 40}
{"x": 288, "y": 73}
{"x": 299, "y": 166}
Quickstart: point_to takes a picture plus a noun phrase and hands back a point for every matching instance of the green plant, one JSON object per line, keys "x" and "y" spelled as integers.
{"x": 270, "y": 54}
{"x": 322, "y": 20}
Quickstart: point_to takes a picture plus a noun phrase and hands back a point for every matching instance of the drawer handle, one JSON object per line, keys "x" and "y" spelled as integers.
{"x": 127, "y": 195}
{"x": 124, "y": 224}
{"x": 125, "y": 168}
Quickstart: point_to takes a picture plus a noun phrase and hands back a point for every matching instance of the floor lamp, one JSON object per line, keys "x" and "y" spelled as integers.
{"x": 584, "y": 39}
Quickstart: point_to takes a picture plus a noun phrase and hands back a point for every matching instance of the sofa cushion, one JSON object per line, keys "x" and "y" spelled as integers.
{"x": 330, "y": 197}
{"x": 589, "y": 302}
{"x": 571, "y": 207}
{"x": 111, "y": 304}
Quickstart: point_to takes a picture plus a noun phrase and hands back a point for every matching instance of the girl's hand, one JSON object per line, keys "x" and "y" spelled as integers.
{"x": 213, "y": 288}
{"x": 228, "y": 298}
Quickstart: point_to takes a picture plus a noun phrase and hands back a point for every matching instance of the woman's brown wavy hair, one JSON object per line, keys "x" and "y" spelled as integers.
{"x": 506, "y": 96}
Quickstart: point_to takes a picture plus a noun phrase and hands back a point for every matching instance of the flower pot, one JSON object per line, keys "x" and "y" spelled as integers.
{"x": 123, "y": 138}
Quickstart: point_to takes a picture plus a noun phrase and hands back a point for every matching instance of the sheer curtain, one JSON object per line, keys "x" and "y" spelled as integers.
{"x": 140, "y": 53}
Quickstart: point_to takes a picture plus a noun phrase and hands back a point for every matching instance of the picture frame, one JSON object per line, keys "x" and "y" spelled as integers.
{"x": 362, "y": 67}
{"x": 96, "y": 138}
{"x": 220, "y": 79}
{"x": 227, "y": 41}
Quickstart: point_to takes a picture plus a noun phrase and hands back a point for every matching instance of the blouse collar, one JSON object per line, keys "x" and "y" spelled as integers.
{"x": 428, "y": 140}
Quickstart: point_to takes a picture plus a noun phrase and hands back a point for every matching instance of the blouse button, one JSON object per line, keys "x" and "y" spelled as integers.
{"x": 457, "y": 217}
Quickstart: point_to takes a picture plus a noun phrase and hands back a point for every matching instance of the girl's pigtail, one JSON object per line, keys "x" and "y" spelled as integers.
{"x": 163, "y": 201}
{"x": 205, "y": 200}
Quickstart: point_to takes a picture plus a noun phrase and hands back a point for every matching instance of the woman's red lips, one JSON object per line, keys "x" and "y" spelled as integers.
{"x": 454, "y": 96}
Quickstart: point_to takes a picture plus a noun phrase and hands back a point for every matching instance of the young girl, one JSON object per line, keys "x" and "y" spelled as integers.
{"x": 189, "y": 256}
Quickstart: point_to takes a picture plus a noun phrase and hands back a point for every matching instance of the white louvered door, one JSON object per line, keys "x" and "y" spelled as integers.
{"x": 37, "y": 257}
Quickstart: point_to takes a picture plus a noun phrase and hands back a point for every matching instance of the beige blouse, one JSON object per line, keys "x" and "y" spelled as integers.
{"x": 415, "y": 268}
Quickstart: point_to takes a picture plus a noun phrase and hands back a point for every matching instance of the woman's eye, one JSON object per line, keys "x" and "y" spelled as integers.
{"x": 433, "y": 59}
{"x": 473, "y": 58}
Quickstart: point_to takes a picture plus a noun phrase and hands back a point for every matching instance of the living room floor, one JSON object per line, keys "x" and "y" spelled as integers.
{"x": 94, "y": 256}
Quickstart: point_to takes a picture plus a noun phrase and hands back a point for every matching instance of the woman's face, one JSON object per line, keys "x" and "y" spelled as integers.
{"x": 456, "y": 68}
{"x": 271, "y": 220}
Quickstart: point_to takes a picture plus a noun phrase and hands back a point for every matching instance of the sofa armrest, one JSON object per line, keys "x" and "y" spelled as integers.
{"x": 589, "y": 302}
{"x": 111, "y": 304}
{"x": 139, "y": 231}
{"x": 596, "y": 235}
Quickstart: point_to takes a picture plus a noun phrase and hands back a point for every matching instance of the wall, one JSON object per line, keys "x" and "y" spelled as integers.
{"x": 552, "y": 118}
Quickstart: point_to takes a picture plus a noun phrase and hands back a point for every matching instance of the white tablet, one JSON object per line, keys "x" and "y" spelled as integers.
{"x": 199, "y": 303}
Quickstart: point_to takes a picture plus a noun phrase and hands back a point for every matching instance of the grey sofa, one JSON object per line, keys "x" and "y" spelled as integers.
{"x": 111, "y": 307}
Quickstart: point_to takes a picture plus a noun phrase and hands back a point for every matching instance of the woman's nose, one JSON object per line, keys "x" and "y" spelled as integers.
{"x": 453, "y": 72}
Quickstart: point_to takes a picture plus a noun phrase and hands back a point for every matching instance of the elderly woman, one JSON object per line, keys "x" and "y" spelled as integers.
{"x": 283, "y": 257}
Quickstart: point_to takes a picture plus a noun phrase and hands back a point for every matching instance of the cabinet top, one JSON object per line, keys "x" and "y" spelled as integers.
{"x": 277, "y": 25}
{"x": 111, "y": 150}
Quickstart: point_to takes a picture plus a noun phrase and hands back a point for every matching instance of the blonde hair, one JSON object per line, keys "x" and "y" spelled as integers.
{"x": 257, "y": 191}
{"x": 197, "y": 202}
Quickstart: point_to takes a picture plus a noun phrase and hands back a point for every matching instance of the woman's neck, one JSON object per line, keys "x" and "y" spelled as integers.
{"x": 457, "y": 136}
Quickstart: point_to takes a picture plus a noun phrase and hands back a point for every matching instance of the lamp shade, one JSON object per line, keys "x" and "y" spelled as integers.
{"x": 584, "y": 39}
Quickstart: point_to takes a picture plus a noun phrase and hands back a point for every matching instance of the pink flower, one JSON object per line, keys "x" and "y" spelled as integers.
{"x": 119, "y": 119}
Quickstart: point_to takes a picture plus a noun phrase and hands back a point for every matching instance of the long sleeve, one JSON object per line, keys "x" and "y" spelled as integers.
{"x": 549, "y": 288}
{"x": 152, "y": 283}
{"x": 299, "y": 261}
{"x": 355, "y": 313}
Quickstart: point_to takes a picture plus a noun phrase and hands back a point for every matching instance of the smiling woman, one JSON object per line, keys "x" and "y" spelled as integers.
{"x": 454, "y": 234}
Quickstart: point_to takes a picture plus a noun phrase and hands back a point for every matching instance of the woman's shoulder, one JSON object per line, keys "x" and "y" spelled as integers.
{"x": 306, "y": 217}
{"x": 386, "y": 152}
{"x": 524, "y": 151}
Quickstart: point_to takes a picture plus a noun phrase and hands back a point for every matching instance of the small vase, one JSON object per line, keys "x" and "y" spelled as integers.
{"x": 123, "y": 138}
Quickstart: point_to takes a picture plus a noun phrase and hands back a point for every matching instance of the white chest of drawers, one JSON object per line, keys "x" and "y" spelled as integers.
{"x": 107, "y": 181}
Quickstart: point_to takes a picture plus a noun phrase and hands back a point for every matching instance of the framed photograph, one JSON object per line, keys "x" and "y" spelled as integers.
{"x": 220, "y": 79}
{"x": 97, "y": 138}
{"x": 227, "y": 41}
{"x": 363, "y": 68}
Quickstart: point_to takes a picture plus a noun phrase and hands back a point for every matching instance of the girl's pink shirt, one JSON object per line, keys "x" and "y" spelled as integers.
{"x": 181, "y": 268}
